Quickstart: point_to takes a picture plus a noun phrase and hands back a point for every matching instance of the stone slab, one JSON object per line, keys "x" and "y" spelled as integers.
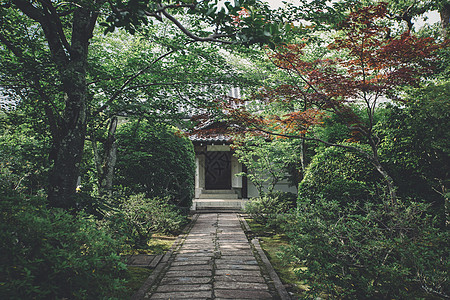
{"x": 192, "y": 262}
{"x": 235, "y": 294}
{"x": 189, "y": 273}
{"x": 236, "y": 261}
{"x": 238, "y": 272}
{"x": 191, "y": 268}
{"x": 226, "y": 252}
{"x": 186, "y": 280}
{"x": 182, "y": 295}
{"x": 196, "y": 252}
{"x": 225, "y": 266}
{"x": 184, "y": 288}
{"x": 239, "y": 278}
{"x": 184, "y": 257}
{"x": 241, "y": 285}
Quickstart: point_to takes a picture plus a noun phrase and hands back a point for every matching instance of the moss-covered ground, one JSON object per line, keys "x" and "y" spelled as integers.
{"x": 272, "y": 243}
{"x": 136, "y": 276}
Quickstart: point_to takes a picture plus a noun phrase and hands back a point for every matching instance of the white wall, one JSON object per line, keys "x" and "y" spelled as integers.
{"x": 282, "y": 186}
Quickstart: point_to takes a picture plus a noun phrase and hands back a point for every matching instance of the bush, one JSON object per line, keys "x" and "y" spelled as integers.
{"x": 51, "y": 254}
{"x": 336, "y": 173}
{"x": 370, "y": 250}
{"x": 21, "y": 159}
{"x": 156, "y": 160}
{"x": 415, "y": 147}
{"x": 138, "y": 217}
{"x": 265, "y": 210}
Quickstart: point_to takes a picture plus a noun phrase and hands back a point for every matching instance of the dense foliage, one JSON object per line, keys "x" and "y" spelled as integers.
{"x": 50, "y": 253}
{"x": 77, "y": 187}
{"x": 415, "y": 145}
{"x": 267, "y": 161}
{"x": 157, "y": 160}
{"x": 371, "y": 220}
{"x": 368, "y": 249}
{"x": 267, "y": 208}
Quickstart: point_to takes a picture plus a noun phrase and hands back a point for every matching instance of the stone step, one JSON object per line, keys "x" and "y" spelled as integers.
{"x": 200, "y": 204}
{"x": 218, "y": 192}
{"x": 218, "y": 196}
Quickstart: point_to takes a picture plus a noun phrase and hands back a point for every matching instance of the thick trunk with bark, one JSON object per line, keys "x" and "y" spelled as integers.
{"x": 69, "y": 141}
{"x": 68, "y": 149}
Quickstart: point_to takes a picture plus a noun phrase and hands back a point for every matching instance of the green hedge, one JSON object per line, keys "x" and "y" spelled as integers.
{"x": 157, "y": 160}
{"x": 338, "y": 174}
{"x": 368, "y": 251}
{"x": 350, "y": 241}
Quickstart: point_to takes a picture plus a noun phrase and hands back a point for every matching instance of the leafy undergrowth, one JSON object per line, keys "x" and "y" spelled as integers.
{"x": 271, "y": 242}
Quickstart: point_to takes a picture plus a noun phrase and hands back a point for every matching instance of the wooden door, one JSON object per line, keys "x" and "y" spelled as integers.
{"x": 218, "y": 170}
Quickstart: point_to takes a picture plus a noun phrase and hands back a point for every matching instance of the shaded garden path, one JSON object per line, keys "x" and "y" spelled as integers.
{"x": 214, "y": 260}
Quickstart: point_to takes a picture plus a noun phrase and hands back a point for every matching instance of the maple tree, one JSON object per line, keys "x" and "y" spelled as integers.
{"x": 368, "y": 67}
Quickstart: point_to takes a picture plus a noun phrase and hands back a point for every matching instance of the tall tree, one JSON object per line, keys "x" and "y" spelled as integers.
{"x": 59, "y": 33}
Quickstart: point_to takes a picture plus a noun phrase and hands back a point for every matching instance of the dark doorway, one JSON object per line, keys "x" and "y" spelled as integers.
{"x": 218, "y": 170}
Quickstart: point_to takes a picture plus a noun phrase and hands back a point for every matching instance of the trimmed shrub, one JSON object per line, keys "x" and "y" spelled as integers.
{"x": 138, "y": 217}
{"x": 156, "y": 160}
{"x": 51, "y": 254}
{"x": 371, "y": 250}
{"x": 338, "y": 174}
{"x": 415, "y": 147}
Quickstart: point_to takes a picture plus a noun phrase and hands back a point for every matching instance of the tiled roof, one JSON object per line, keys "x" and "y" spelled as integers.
{"x": 221, "y": 138}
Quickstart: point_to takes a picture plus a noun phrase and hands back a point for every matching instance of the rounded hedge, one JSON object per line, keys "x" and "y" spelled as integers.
{"x": 338, "y": 174}
{"x": 155, "y": 159}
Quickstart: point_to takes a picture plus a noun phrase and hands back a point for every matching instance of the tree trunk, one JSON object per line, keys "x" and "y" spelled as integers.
{"x": 68, "y": 148}
{"x": 69, "y": 141}
{"x": 387, "y": 178}
{"x": 445, "y": 19}
{"x": 106, "y": 163}
{"x": 379, "y": 167}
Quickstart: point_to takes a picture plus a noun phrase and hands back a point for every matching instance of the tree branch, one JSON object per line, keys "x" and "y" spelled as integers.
{"x": 58, "y": 25}
{"x": 10, "y": 46}
{"x": 211, "y": 38}
{"x": 130, "y": 79}
{"x": 364, "y": 153}
{"x": 50, "y": 31}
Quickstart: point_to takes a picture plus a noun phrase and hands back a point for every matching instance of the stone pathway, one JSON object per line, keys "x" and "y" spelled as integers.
{"x": 215, "y": 261}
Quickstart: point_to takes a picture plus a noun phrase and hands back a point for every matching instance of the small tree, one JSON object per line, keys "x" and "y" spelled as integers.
{"x": 267, "y": 161}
